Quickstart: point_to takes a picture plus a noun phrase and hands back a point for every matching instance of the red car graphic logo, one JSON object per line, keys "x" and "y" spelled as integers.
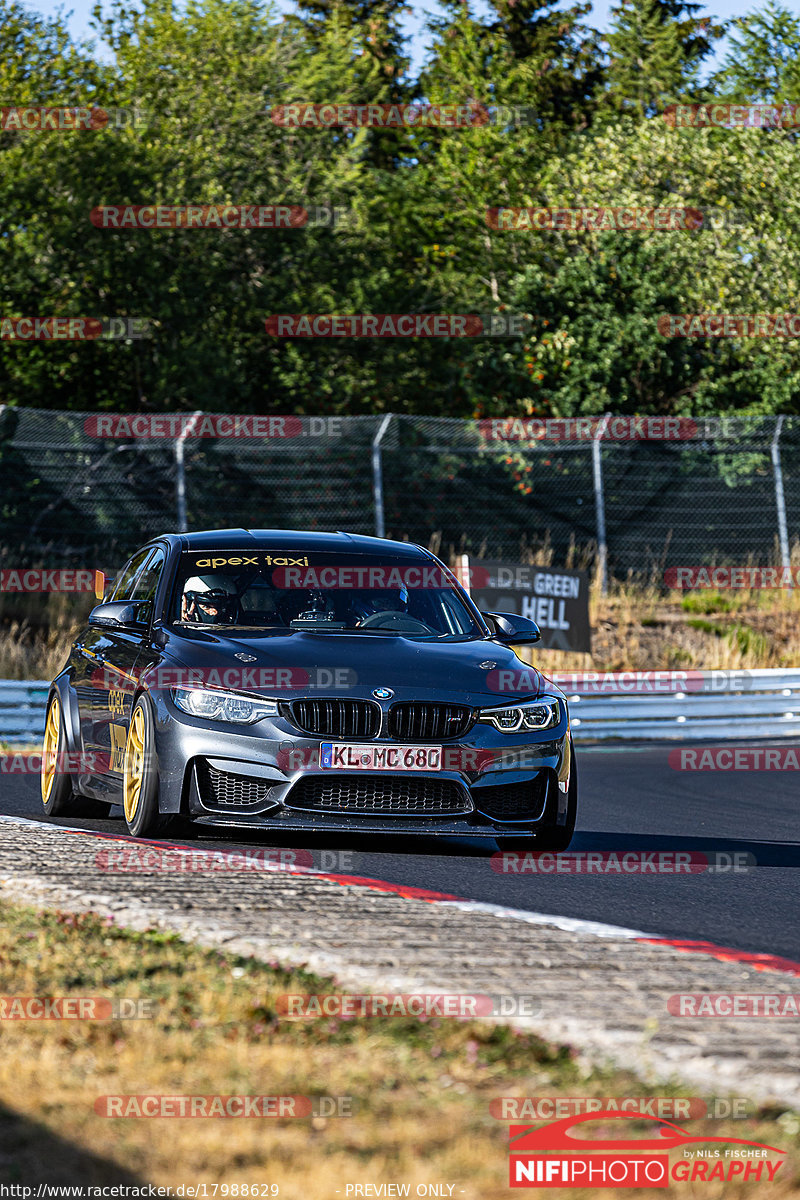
{"x": 556, "y": 1136}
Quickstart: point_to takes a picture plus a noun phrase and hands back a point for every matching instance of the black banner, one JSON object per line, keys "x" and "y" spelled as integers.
{"x": 557, "y": 600}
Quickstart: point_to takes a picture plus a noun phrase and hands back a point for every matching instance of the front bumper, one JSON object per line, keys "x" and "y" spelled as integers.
{"x": 251, "y": 779}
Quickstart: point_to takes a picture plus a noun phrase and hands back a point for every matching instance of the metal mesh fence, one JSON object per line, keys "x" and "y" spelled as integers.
{"x": 72, "y": 494}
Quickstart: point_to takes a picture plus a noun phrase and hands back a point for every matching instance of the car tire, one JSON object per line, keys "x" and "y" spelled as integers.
{"x": 140, "y": 784}
{"x": 549, "y": 836}
{"x": 554, "y": 837}
{"x": 57, "y": 787}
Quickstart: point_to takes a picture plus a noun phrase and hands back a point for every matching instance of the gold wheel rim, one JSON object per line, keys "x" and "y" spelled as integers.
{"x": 52, "y": 733}
{"x": 134, "y": 764}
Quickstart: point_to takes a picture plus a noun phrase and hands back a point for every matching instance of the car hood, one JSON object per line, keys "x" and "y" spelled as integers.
{"x": 476, "y": 672}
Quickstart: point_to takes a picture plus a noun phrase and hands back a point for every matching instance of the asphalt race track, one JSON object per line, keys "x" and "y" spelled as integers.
{"x": 631, "y": 800}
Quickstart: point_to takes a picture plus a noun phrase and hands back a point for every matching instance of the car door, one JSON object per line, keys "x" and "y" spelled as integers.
{"x": 115, "y": 653}
{"x": 88, "y": 662}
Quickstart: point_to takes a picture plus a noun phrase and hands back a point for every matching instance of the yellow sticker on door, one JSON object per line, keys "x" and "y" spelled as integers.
{"x": 119, "y": 737}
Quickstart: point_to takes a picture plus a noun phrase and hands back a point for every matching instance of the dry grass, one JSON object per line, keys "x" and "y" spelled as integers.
{"x": 421, "y": 1089}
{"x": 36, "y": 632}
{"x": 640, "y": 628}
{"x": 27, "y": 655}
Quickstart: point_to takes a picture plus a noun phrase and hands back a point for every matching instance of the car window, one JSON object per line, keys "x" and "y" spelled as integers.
{"x": 127, "y": 576}
{"x": 327, "y": 592}
{"x": 144, "y": 588}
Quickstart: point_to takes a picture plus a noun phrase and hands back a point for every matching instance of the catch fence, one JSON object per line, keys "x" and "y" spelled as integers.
{"x": 77, "y": 492}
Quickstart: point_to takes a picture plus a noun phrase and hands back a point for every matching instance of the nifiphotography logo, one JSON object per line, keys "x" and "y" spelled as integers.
{"x": 553, "y": 1156}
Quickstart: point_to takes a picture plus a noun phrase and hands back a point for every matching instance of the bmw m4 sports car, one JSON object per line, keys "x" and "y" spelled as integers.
{"x": 307, "y": 681}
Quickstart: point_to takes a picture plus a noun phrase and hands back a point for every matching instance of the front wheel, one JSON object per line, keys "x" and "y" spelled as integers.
{"x": 549, "y": 836}
{"x": 140, "y": 773}
{"x": 558, "y": 837}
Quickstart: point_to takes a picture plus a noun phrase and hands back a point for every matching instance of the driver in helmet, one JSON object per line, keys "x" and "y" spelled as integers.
{"x": 209, "y": 600}
{"x": 367, "y": 604}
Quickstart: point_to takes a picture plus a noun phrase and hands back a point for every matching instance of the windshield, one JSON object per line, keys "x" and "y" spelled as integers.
{"x": 281, "y": 590}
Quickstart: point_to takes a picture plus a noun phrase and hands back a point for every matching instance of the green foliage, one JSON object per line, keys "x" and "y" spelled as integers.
{"x": 206, "y": 75}
{"x": 708, "y": 626}
{"x": 656, "y": 48}
{"x": 706, "y": 602}
{"x": 763, "y": 63}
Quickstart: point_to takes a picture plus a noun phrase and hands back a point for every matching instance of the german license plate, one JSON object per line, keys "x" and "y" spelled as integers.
{"x": 344, "y": 756}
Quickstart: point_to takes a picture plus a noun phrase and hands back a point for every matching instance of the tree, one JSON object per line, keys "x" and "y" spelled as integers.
{"x": 656, "y": 49}
{"x": 379, "y": 61}
{"x": 763, "y": 62}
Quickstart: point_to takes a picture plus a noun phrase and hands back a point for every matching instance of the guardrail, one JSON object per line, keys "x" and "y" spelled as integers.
{"x": 643, "y": 705}
{"x": 686, "y": 705}
{"x": 22, "y": 710}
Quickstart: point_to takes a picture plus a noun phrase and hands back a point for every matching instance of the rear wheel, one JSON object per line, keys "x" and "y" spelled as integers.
{"x": 140, "y": 774}
{"x": 55, "y": 784}
{"x": 55, "y": 781}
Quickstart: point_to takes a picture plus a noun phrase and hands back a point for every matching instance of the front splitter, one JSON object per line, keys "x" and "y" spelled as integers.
{"x": 396, "y": 826}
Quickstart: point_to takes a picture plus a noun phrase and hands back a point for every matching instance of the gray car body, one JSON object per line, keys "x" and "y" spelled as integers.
{"x": 96, "y": 717}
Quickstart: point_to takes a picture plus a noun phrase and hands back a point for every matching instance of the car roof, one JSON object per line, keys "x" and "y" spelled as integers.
{"x": 297, "y": 540}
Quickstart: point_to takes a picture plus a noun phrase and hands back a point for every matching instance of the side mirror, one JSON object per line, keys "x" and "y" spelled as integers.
{"x": 119, "y": 614}
{"x": 513, "y": 630}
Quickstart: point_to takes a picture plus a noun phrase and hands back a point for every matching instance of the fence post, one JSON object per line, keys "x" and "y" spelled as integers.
{"x": 780, "y": 500}
{"x": 377, "y": 476}
{"x": 600, "y": 504}
{"x": 180, "y": 471}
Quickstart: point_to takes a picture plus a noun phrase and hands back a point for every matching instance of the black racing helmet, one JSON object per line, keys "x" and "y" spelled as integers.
{"x": 211, "y": 592}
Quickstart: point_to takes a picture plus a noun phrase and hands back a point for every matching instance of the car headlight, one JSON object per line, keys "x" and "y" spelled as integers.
{"x": 519, "y": 718}
{"x": 223, "y": 706}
